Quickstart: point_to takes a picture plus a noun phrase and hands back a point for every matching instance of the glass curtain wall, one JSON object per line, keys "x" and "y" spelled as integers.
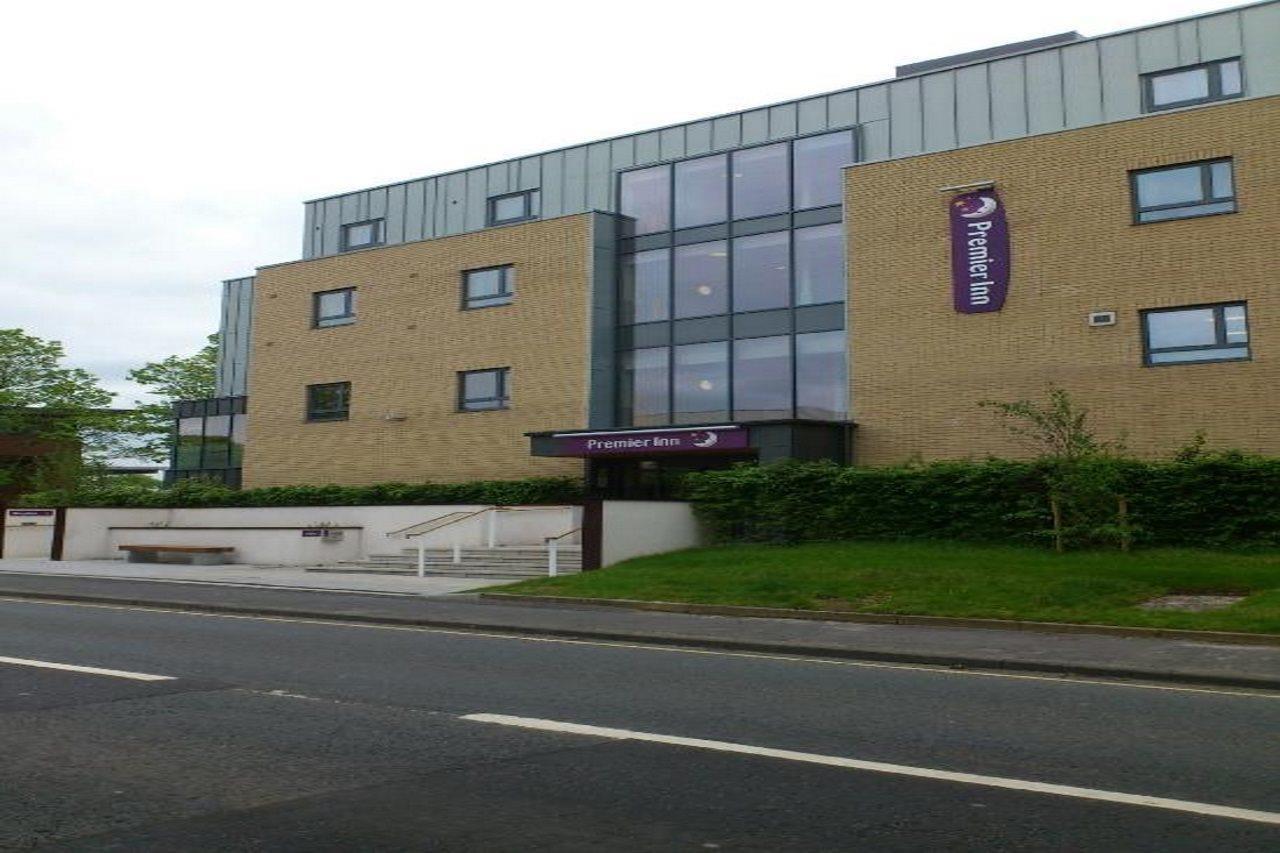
{"x": 208, "y": 440}
{"x": 747, "y": 246}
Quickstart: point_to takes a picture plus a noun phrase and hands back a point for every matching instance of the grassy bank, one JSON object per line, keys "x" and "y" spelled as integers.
{"x": 944, "y": 579}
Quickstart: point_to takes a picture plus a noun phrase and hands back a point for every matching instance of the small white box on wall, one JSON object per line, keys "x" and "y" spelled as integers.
{"x": 1102, "y": 318}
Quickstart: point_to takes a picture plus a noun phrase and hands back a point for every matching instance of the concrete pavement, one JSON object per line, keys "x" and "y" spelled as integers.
{"x": 286, "y": 735}
{"x": 285, "y": 577}
{"x": 1186, "y": 661}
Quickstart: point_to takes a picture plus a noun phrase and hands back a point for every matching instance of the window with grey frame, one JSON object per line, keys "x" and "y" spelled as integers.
{"x": 329, "y": 401}
{"x": 1219, "y": 80}
{"x": 208, "y": 440}
{"x": 484, "y": 390}
{"x": 514, "y": 207}
{"x": 1199, "y": 333}
{"x": 1183, "y": 191}
{"x": 362, "y": 235}
{"x": 488, "y": 287}
{"x": 333, "y": 308}
{"x": 776, "y": 377}
{"x": 753, "y": 181}
{"x": 755, "y": 272}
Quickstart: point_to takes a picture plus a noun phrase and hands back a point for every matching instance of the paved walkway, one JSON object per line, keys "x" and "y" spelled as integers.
{"x": 1177, "y": 660}
{"x": 259, "y": 576}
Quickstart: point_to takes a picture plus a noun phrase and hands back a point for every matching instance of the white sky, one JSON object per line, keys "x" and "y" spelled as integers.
{"x": 149, "y": 150}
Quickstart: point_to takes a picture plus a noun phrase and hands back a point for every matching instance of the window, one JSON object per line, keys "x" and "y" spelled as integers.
{"x": 762, "y": 271}
{"x": 822, "y": 376}
{"x": 820, "y": 264}
{"x": 819, "y": 165}
{"x": 1196, "y": 84}
{"x": 646, "y": 197}
{"x": 361, "y": 235}
{"x": 483, "y": 390}
{"x": 762, "y": 378}
{"x": 217, "y": 441}
{"x": 334, "y": 308}
{"x": 190, "y": 439}
{"x": 514, "y": 207}
{"x": 1179, "y": 192}
{"x": 646, "y": 286}
{"x": 1205, "y": 333}
{"x": 702, "y": 191}
{"x": 645, "y": 390}
{"x": 488, "y": 287}
{"x": 701, "y": 279}
{"x": 701, "y": 383}
{"x": 329, "y": 402}
{"x": 760, "y": 181}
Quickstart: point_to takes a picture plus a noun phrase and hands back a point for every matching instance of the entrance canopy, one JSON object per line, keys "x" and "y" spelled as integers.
{"x": 770, "y": 441}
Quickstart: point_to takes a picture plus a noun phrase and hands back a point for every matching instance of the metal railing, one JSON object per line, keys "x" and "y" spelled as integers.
{"x": 553, "y": 550}
{"x": 491, "y": 533}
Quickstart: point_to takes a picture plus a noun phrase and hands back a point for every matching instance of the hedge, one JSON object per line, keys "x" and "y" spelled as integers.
{"x": 1230, "y": 500}
{"x": 204, "y": 493}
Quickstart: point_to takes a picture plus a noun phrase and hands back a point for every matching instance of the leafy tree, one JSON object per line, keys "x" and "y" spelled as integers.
{"x": 1084, "y": 474}
{"x": 60, "y": 410}
{"x": 191, "y": 377}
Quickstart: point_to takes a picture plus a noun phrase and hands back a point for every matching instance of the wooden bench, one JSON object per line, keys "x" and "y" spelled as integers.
{"x": 196, "y": 555}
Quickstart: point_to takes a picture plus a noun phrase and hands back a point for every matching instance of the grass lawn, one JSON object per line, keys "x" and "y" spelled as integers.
{"x": 947, "y": 579}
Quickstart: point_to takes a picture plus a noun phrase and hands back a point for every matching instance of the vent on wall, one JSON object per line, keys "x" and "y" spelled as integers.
{"x": 1102, "y": 318}
{"x": 986, "y": 53}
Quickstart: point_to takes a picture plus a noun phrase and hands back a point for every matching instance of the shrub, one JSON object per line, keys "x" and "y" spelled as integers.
{"x": 197, "y": 492}
{"x": 1228, "y": 499}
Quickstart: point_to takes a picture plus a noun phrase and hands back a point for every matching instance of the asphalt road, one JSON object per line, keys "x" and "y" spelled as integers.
{"x": 288, "y": 735}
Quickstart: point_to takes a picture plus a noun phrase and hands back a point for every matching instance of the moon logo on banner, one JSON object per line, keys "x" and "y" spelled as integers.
{"x": 705, "y": 439}
{"x": 986, "y": 206}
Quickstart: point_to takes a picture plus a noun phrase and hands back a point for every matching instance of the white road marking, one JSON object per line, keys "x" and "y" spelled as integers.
{"x": 658, "y": 647}
{"x": 88, "y": 670}
{"x": 1189, "y": 806}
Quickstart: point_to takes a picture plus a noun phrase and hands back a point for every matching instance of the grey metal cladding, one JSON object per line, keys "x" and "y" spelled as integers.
{"x": 477, "y": 197}
{"x": 939, "y": 109}
{"x": 232, "y": 372}
{"x": 574, "y": 181}
{"x": 1260, "y": 26}
{"x": 996, "y": 94}
{"x": 812, "y": 116}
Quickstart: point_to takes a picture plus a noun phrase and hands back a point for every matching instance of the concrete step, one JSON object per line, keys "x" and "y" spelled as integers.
{"x": 494, "y": 571}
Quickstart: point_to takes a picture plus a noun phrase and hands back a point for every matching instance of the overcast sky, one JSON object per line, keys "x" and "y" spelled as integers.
{"x": 149, "y": 150}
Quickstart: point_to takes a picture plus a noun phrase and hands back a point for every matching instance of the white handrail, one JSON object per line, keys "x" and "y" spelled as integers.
{"x": 436, "y": 523}
{"x": 553, "y": 550}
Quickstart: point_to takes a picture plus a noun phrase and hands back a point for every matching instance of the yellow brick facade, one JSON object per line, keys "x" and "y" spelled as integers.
{"x": 403, "y": 353}
{"x": 919, "y": 370}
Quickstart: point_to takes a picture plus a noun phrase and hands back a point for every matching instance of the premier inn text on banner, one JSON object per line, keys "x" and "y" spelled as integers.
{"x": 979, "y": 252}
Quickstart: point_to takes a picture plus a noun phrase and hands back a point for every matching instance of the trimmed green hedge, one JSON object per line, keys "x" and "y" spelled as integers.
{"x": 1226, "y": 500}
{"x": 204, "y": 493}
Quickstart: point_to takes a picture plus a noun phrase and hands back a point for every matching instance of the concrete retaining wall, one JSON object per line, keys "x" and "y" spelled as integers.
{"x": 635, "y": 528}
{"x": 275, "y": 535}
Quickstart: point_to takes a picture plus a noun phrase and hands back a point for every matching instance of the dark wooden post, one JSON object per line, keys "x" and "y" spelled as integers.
{"x": 592, "y": 534}
{"x": 59, "y": 532}
{"x": 4, "y": 522}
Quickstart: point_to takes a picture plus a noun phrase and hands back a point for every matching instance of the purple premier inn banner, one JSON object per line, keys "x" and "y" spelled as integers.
{"x": 979, "y": 252}
{"x": 655, "y": 441}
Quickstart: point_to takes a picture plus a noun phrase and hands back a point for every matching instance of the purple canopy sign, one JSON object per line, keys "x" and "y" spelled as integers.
{"x": 979, "y": 252}
{"x": 638, "y": 443}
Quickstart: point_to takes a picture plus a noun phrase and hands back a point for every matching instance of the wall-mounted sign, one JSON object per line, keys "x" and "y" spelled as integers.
{"x": 308, "y": 534}
{"x": 31, "y": 513}
{"x": 646, "y": 442}
{"x": 979, "y": 252}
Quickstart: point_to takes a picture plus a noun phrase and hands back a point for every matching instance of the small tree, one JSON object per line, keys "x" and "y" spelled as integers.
{"x": 1083, "y": 474}
{"x": 191, "y": 377}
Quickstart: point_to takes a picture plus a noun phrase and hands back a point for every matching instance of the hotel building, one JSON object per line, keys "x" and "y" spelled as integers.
{"x": 845, "y": 276}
